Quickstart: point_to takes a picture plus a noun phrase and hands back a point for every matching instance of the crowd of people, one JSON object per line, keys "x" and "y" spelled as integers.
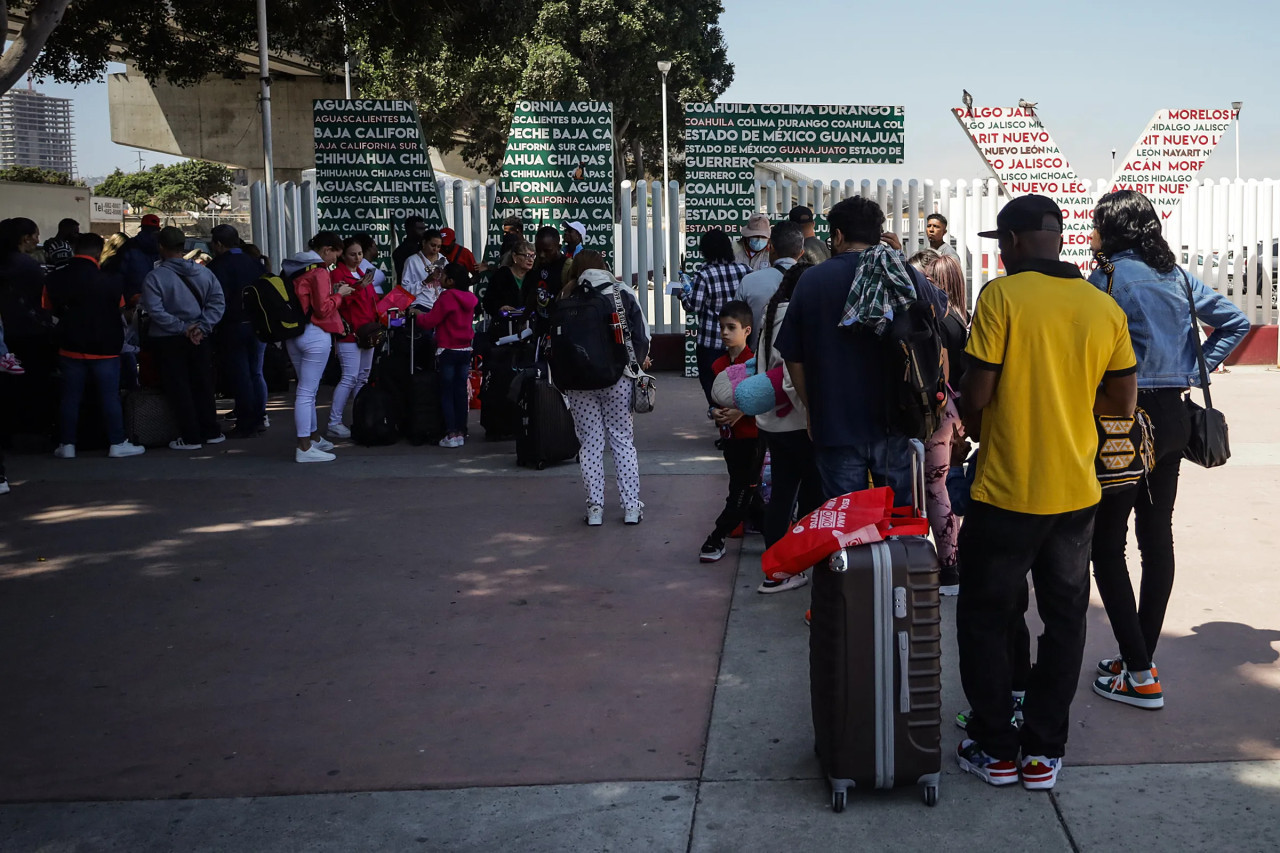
{"x": 1027, "y": 502}
{"x": 1044, "y": 354}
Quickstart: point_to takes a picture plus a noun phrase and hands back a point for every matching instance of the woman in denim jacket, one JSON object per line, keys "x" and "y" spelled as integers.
{"x": 1152, "y": 290}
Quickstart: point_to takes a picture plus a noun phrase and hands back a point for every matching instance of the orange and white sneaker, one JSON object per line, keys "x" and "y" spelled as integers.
{"x": 1122, "y": 688}
{"x": 1039, "y": 773}
{"x": 1111, "y": 667}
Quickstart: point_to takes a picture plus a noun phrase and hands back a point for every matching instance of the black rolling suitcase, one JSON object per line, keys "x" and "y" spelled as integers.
{"x": 875, "y": 663}
{"x": 376, "y": 417}
{"x": 546, "y": 432}
{"x": 499, "y": 414}
{"x": 418, "y": 390}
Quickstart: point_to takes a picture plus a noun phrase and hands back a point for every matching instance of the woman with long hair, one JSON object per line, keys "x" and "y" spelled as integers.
{"x": 310, "y": 350}
{"x": 1137, "y": 267}
{"x": 450, "y": 317}
{"x": 356, "y": 310}
{"x": 945, "y": 273}
{"x": 797, "y": 484}
{"x": 605, "y": 414}
{"x": 111, "y": 252}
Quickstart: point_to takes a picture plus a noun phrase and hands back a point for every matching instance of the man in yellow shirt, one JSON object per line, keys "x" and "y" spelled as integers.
{"x": 1046, "y": 352}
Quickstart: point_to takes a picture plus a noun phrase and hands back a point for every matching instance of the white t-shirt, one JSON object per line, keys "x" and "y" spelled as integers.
{"x": 416, "y": 271}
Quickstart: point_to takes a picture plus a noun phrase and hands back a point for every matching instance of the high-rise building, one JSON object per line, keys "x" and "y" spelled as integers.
{"x": 35, "y": 130}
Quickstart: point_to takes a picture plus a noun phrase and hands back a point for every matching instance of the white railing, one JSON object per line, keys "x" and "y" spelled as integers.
{"x": 1225, "y": 231}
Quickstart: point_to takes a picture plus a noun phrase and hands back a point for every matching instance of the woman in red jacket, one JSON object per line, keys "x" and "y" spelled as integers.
{"x": 310, "y": 351}
{"x": 451, "y": 318}
{"x": 356, "y": 310}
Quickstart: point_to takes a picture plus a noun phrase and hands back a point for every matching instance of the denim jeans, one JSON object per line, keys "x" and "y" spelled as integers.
{"x": 998, "y": 548}
{"x": 455, "y": 369}
{"x": 106, "y": 379}
{"x": 240, "y": 357}
{"x": 884, "y": 462}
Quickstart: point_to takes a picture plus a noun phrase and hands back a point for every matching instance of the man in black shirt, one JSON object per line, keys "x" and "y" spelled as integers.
{"x": 414, "y": 228}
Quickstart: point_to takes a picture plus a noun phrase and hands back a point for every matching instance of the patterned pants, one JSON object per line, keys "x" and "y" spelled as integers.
{"x": 596, "y": 413}
{"x": 937, "y": 463}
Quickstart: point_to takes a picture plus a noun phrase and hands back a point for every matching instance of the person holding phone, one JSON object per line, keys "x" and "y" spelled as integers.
{"x": 357, "y": 309}
{"x": 309, "y": 351}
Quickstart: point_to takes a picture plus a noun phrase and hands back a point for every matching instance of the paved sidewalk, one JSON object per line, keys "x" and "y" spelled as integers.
{"x": 412, "y": 650}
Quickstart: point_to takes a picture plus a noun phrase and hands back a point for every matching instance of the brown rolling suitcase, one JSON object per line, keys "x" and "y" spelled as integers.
{"x": 875, "y": 664}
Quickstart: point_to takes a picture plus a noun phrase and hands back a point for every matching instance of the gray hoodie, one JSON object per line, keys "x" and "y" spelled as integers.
{"x": 172, "y": 306}
{"x": 299, "y": 262}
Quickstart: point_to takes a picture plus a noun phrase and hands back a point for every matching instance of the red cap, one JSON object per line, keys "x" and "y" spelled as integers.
{"x": 152, "y": 220}
{"x": 447, "y": 236}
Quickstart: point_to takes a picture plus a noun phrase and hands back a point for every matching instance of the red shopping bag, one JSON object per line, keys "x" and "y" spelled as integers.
{"x": 398, "y": 298}
{"x": 857, "y": 518}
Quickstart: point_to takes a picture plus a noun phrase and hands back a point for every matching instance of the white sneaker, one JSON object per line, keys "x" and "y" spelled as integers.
{"x": 4, "y": 487}
{"x": 179, "y": 444}
{"x": 266, "y": 422}
{"x": 633, "y": 515}
{"x": 217, "y": 439}
{"x": 312, "y": 454}
{"x": 65, "y": 451}
{"x": 595, "y": 515}
{"x": 338, "y": 431}
{"x": 323, "y": 443}
{"x": 793, "y": 582}
{"x": 125, "y": 448}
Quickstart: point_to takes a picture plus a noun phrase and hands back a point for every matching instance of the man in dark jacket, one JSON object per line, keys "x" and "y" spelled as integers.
{"x": 414, "y": 228}
{"x": 237, "y": 347}
{"x": 90, "y": 333}
{"x": 139, "y": 257}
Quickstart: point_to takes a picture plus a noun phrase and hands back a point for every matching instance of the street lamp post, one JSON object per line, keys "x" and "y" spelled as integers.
{"x": 664, "y": 67}
{"x": 1236, "y": 105}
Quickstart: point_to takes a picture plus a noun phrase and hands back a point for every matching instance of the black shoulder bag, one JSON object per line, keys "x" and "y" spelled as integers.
{"x": 1208, "y": 446}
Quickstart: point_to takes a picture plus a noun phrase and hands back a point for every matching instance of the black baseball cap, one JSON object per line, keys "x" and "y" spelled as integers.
{"x": 800, "y": 214}
{"x": 1025, "y": 213}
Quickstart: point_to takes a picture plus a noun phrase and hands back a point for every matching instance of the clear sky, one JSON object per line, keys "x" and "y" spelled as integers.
{"x": 1098, "y": 70}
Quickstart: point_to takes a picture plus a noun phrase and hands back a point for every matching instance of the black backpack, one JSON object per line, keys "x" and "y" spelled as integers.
{"x": 915, "y": 380}
{"x": 272, "y": 305}
{"x": 587, "y": 350}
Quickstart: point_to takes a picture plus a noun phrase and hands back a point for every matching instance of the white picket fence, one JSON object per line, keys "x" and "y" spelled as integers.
{"x": 1221, "y": 231}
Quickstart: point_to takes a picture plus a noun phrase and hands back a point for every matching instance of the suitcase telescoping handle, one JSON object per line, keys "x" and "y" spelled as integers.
{"x": 917, "y": 476}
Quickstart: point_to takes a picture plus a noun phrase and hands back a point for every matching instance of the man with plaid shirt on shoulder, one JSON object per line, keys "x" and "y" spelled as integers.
{"x": 712, "y": 288}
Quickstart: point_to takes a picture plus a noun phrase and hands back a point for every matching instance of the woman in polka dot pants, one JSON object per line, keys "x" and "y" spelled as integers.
{"x": 606, "y": 414}
{"x": 598, "y": 415}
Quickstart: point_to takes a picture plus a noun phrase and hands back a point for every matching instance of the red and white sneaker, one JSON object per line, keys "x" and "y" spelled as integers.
{"x": 993, "y": 771}
{"x": 1039, "y": 773}
{"x": 10, "y": 364}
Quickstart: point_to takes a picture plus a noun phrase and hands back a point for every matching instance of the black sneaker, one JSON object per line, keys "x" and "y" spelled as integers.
{"x": 712, "y": 549}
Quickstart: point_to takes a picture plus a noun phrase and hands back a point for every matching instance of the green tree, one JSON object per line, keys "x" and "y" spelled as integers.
{"x": 34, "y": 175}
{"x": 561, "y": 50}
{"x": 41, "y": 20}
{"x": 189, "y": 185}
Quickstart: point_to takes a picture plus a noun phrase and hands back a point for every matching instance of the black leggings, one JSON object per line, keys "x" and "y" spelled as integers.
{"x": 1137, "y": 625}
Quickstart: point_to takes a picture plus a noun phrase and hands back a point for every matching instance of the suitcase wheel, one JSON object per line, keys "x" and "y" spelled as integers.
{"x": 838, "y": 799}
{"x": 930, "y": 795}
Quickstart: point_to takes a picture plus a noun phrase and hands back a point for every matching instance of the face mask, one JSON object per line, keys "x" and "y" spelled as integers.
{"x": 757, "y": 244}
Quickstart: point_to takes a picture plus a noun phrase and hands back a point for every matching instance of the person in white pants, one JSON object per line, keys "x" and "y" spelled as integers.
{"x": 310, "y": 350}
{"x": 607, "y": 412}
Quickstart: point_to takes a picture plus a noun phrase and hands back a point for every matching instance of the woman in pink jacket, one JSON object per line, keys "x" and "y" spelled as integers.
{"x": 451, "y": 317}
{"x": 320, "y": 299}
